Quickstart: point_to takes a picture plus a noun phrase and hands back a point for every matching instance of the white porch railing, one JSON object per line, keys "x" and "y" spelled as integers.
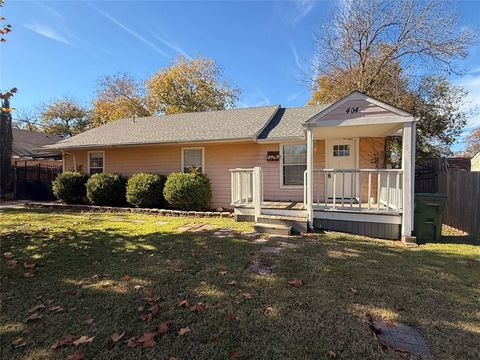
{"x": 247, "y": 188}
{"x": 357, "y": 189}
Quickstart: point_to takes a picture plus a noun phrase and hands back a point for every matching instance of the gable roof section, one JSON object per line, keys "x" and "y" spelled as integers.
{"x": 367, "y": 107}
{"x": 288, "y": 123}
{"x": 25, "y": 142}
{"x": 223, "y": 125}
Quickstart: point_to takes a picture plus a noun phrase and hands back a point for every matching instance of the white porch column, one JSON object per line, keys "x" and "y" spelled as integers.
{"x": 408, "y": 167}
{"x": 309, "y": 183}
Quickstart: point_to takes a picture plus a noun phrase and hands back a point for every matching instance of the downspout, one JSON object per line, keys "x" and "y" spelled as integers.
{"x": 74, "y": 160}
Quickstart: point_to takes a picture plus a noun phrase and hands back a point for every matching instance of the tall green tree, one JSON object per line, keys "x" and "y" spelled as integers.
{"x": 6, "y": 139}
{"x": 190, "y": 86}
{"x": 397, "y": 52}
{"x": 64, "y": 117}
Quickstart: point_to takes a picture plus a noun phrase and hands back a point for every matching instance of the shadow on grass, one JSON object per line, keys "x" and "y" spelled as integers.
{"x": 83, "y": 264}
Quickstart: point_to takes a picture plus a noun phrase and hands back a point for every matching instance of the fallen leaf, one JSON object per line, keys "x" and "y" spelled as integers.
{"x": 163, "y": 327}
{"x": 247, "y": 296}
{"x": 77, "y": 355}
{"x": 116, "y": 336}
{"x": 183, "y": 331}
{"x": 268, "y": 310}
{"x": 132, "y": 342}
{"x": 296, "y": 283}
{"x": 13, "y": 263}
{"x": 83, "y": 340}
{"x": 28, "y": 274}
{"x": 198, "y": 307}
{"x": 176, "y": 269}
{"x": 89, "y": 320}
{"x": 19, "y": 342}
{"x": 353, "y": 291}
{"x": 140, "y": 308}
{"x": 29, "y": 265}
{"x": 154, "y": 309}
{"x": 36, "y": 308}
{"x": 172, "y": 358}
{"x": 232, "y": 283}
{"x": 56, "y": 309}
{"x": 332, "y": 354}
{"x": 183, "y": 303}
{"x": 34, "y": 316}
{"x": 233, "y": 317}
{"x": 71, "y": 293}
{"x": 126, "y": 277}
{"x": 235, "y": 354}
{"x": 222, "y": 273}
{"x": 67, "y": 340}
{"x": 147, "y": 340}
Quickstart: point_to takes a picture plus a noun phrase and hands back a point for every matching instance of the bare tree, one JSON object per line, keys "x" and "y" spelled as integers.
{"x": 27, "y": 119}
{"x": 366, "y": 37}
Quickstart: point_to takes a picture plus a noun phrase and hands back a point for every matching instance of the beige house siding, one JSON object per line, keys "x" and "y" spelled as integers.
{"x": 219, "y": 158}
{"x": 362, "y": 109}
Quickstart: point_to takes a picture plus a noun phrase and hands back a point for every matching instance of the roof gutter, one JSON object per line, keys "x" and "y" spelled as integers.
{"x": 92, "y": 146}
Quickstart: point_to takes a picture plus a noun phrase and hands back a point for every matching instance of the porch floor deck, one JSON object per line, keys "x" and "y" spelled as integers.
{"x": 298, "y": 205}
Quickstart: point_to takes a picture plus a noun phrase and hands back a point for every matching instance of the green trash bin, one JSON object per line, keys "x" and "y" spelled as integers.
{"x": 428, "y": 213}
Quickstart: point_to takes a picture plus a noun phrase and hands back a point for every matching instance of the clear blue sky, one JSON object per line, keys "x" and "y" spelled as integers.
{"x": 61, "y": 48}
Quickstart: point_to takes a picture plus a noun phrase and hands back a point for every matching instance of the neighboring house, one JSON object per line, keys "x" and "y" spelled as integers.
{"x": 319, "y": 165}
{"x": 475, "y": 162}
{"x": 26, "y": 144}
{"x": 458, "y": 164}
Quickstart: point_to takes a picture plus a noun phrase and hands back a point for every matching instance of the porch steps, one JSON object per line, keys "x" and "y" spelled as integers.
{"x": 273, "y": 229}
{"x": 298, "y": 224}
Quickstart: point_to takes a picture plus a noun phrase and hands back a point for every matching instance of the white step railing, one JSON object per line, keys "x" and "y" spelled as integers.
{"x": 247, "y": 188}
{"x": 358, "y": 189}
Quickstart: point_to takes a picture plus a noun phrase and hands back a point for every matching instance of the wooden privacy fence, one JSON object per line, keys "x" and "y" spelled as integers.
{"x": 463, "y": 200}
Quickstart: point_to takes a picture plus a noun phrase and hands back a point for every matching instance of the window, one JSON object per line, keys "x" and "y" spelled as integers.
{"x": 341, "y": 150}
{"x": 192, "y": 160}
{"x": 294, "y": 163}
{"x": 95, "y": 162}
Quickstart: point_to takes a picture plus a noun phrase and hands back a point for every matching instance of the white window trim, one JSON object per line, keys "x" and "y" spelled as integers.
{"x": 88, "y": 159}
{"x": 193, "y": 148}
{"x": 282, "y": 186}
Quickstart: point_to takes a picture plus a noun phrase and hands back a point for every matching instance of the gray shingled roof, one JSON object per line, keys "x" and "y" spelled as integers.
{"x": 263, "y": 123}
{"x": 25, "y": 142}
{"x": 288, "y": 123}
{"x": 234, "y": 124}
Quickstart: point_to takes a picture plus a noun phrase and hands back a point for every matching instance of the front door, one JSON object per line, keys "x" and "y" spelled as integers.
{"x": 340, "y": 154}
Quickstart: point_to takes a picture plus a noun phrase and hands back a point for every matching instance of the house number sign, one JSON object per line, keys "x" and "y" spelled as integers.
{"x": 352, "y": 110}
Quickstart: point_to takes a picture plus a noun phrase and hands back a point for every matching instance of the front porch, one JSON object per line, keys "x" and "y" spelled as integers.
{"x": 346, "y": 185}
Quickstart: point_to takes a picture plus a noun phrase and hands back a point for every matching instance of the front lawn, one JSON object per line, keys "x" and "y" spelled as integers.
{"x": 100, "y": 274}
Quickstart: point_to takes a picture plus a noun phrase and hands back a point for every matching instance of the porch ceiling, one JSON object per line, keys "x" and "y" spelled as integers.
{"x": 377, "y": 130}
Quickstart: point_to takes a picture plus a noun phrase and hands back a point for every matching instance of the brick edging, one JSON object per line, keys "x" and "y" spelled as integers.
{"x": 111, "y": 209}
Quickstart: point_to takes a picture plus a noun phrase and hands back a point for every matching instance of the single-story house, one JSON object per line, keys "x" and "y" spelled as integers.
{"x": 319, "y": 166}
{"x": 26, "y": 146}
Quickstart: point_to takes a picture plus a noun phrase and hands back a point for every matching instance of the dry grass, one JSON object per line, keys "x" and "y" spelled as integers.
{"x": 435, "y": 288}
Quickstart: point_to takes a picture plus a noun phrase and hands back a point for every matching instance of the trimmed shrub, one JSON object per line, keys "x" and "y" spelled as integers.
{"x": 146, "y": 190}
{"x": 106, "y": 189}
{"x": 188, "y": 191}
{"x": 69, "y": 186}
